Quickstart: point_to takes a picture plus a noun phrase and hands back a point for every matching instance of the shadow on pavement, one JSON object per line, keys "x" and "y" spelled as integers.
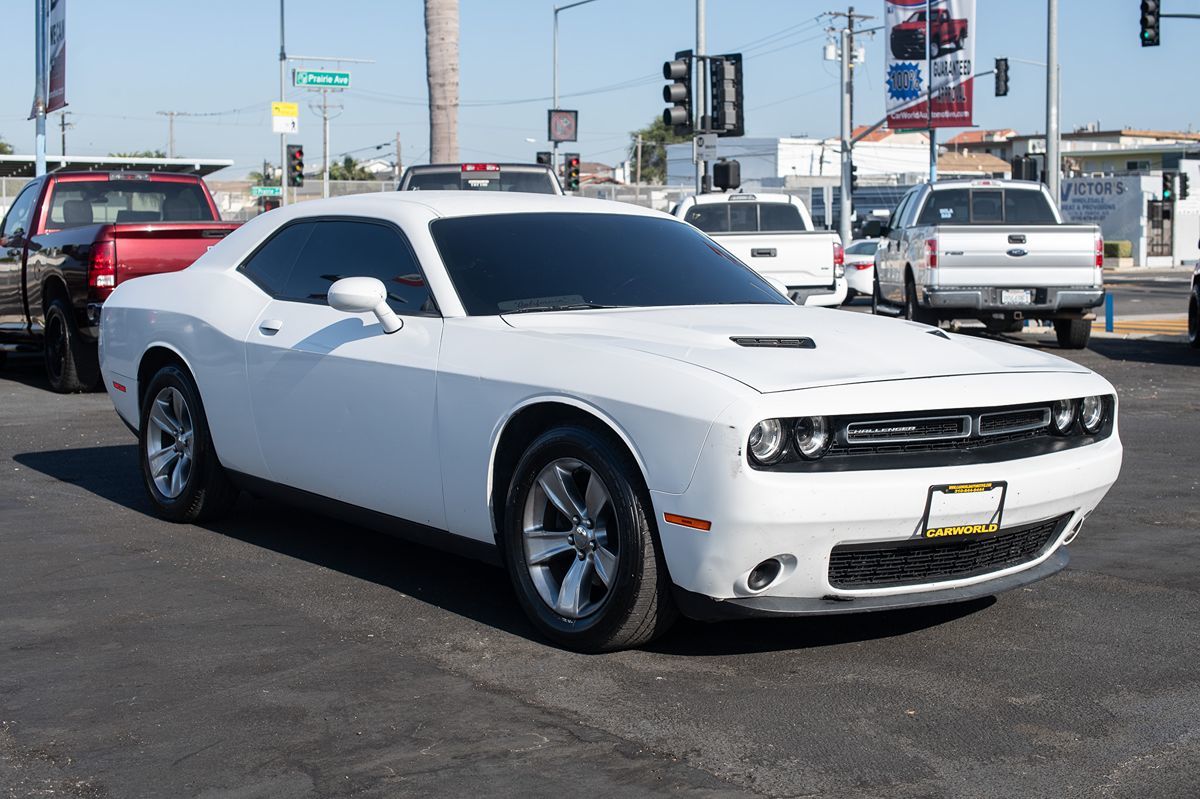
{"x": 1142, "y": 350}
{"x": 456, "y": 584}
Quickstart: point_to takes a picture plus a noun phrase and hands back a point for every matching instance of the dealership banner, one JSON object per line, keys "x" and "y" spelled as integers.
{"x": 945, "y": 65}
{"x": 57, "y": 51}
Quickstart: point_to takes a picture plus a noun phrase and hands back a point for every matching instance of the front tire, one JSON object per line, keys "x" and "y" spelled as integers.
{"x": 180, "y": 469}
{"x": 580, "y": 543}
{"x": 1194, "y": 318}
{"x": 1072, "y": 334}
{"x": 72, "y": 365}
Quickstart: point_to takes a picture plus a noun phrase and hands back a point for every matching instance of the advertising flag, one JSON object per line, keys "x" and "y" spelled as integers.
{"x": 57, "y": 27}
{"x": 931, "y": 53}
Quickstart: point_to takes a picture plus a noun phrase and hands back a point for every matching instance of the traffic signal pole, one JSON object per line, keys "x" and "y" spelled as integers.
{"x": 1053, "y": 162}
{"x": 844, "y": 200}
{"x": 701, "y": 83}
{"x": 283, "y": 177}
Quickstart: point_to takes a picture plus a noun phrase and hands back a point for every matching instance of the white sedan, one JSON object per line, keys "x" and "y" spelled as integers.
{"x": 860, "y": 267}
{"x": 607, "y": 403}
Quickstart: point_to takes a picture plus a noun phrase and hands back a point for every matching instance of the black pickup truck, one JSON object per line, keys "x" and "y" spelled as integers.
{"x": 67, "y": 241}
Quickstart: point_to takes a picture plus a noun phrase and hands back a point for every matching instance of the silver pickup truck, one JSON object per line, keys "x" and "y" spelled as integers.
{"x": 992, "y": 250}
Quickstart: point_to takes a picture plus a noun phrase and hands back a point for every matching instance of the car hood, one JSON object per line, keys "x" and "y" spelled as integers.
{"x": 848, "y": 347}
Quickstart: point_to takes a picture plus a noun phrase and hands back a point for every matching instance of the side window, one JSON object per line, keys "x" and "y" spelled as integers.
{"x": 21, "y": 211}
{"x": 897, "y": 218}
{"x": 338, "y": 249}
{"x": 271, "y": 266}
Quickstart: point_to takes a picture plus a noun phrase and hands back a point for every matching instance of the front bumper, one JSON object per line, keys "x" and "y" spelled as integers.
{"x": 989, "y": 298}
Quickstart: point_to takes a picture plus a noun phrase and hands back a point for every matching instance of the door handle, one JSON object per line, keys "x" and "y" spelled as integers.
{"x": 270, "y": 326}
{"x": 762, "y": 252}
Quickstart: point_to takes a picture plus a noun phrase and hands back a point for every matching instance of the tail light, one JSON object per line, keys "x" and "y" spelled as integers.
{"x": 102, "y": 269}
{"x": 931, "y": 253}
{"x": 1099, "y": 251}
{"x": 839, "y": 260}
{"x": 480, "y": 168}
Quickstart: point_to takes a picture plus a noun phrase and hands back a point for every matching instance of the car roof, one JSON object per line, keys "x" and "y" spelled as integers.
{"x": 748, "y": 196}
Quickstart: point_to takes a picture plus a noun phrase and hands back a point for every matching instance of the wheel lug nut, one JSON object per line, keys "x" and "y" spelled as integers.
{"x": 590, "y": 524}
{"x": 581, "y": 556}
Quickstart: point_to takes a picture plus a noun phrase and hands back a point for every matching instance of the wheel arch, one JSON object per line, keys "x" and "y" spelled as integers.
{"x": 524, "y": 423}
{"x": 156, "y": 356}
{"x": 54, "y": 287}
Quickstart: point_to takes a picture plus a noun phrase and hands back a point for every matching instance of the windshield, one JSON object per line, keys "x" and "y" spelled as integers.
{"x": 77, "y": 203}
{"x": 505, "y": 263}
{"x": 533, "y": 182}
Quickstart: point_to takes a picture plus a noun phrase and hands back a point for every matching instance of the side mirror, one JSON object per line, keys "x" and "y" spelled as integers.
{"x": 364, "y": 295}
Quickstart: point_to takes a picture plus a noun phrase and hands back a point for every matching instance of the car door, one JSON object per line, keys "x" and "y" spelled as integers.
{"x": 343, "y": 409}
{"x": 889, "y": 253}
{"x": 14, "y": 237}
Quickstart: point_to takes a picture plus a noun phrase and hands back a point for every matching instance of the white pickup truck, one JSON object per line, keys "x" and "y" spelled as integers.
{"x": 992, "y": 250}
{"x": 774, "y": 234}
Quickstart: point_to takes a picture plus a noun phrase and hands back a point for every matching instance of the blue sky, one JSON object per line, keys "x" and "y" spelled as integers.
{"x": 128, "y": 59}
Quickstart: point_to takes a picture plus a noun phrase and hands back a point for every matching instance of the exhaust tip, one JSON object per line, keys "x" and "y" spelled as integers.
{"x": 764, "y": 574}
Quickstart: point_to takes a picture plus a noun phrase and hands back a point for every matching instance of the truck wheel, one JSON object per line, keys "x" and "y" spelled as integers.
{"x": 180, "y": 469}
{"x": 935, "y": 49}
{"x": 72, "y": 365}
{"x": 912, "y": 309}
{"x": 1194, "y": 318}
{"x": 580, "y": 544}
{"x": 1072, "y": 334}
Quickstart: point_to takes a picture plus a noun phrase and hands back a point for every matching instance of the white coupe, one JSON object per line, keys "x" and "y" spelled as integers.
{"x": 603, "y": 400}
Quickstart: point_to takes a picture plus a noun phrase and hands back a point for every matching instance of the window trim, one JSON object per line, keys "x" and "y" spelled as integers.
{"x": 33, "y": 186}
{"x": 241, "y": 267}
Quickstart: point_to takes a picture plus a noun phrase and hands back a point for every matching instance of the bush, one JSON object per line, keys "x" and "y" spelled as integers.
{"x": 1118, "y": 249}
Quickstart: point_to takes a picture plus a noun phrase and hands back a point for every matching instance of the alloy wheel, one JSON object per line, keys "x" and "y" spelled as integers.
{"x": 170, "y": 442}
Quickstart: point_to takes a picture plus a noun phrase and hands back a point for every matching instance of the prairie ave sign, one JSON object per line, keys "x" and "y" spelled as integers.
{"x": 320, "y": 79}
{"x": 265, "y": 191}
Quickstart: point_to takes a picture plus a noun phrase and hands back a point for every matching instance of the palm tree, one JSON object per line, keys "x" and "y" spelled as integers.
{"x": 441, "y": 70}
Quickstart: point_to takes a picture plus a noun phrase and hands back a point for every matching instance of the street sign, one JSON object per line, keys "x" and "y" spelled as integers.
{"x": 266, "y": 191}
{"x": 285, "y": 109}
{"x": 706, "y": 146}
{"x": 320, "y": 79}
{"x": 285, "y": 124}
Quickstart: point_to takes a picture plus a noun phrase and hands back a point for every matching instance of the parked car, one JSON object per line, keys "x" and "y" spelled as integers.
{"x": 774, "y": 234}
{"x": 860, "y": 268}
{"x": 532, "y": 178}
{"x": 1194, "y": 310}
{"x": 70, "y": 238}
{"x": 643, "y": 427}
{"x": 992, "y": 250}
{"x": 945, "y": 33}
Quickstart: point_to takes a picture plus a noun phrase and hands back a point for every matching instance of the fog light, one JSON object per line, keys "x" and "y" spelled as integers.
{"x": 767, "y": 441}
{"x": 1062, "y": 416}
{"x": 764, "y": 574}
{"x": 1091, "y": 414}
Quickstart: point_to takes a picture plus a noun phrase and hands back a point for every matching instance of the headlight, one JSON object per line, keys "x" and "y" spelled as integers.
{"x": 1062, "y": 416}
{"x": 767, "y": 441}
{"x": 1091, "y": 414}
{"x": 811, "y": 434}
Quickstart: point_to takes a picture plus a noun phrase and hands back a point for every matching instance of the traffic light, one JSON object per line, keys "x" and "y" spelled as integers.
{"x": 1001, "y": 77}
{"x": 1183, "y": 186}
{"x": 295, "y": 165}
{"x": 572, "y": 169}
{"x": 725, "y": 78}
{"x": 1168, "y": 186}
{"x": 545, "y": 158}
{"x": 678, "y": 93}
{"x": 727, "y": 174}
{"x": 853, "y": 177}
{"x": 1150, "y": 22}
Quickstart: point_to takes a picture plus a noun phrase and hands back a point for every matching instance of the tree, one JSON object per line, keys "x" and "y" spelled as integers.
{"x": 349, "y": 169}
{"x": 5, "y": 148}
{"x": 441, "y": 73}
{"x": 655, "y": 138}
{"x": 140, "y": 154}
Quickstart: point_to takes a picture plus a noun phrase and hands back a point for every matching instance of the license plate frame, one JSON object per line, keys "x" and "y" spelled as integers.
{"x": 958, "y": 510}
{"x": 1016, "y": 296}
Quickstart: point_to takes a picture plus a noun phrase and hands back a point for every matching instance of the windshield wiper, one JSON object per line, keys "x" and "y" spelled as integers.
{"x": 575, "y": 306}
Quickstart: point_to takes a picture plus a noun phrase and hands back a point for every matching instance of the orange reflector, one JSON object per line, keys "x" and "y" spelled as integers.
{"x": 687, "y": 521}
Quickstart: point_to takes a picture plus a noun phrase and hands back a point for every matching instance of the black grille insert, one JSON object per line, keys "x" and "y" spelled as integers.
{"x": 1013, "y": 421}
{"x": 921, "y": 561}
{"x": 925, "y": 429}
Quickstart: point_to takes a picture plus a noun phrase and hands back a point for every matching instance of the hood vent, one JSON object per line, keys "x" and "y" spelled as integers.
{"x": 938, "y": 333}
{"x": 775, "y": 343}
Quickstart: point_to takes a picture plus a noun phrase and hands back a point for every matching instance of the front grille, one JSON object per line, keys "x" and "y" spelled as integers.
{"x": 925, "y": 429}
{"x": 991, "y": 424}
{"x": 923, "y": 561}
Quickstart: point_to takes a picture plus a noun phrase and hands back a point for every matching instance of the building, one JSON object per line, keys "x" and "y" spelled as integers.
{"x": 1091, "y": 151}
{"x": 986, "y": 142}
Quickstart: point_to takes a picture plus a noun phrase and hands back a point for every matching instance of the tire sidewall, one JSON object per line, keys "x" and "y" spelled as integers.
{"x": 1194, "y": 318}
{"x": 186, "y": 504}
{"x": 632, "y": 528}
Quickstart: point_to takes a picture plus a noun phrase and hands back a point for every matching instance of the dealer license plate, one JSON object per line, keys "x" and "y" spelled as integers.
{"x": 963, "y": 509}
{"x": 1016, "y": 297}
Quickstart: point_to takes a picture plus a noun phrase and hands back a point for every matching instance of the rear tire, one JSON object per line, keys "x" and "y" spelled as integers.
{"x": 912, "y": 309}
{"x": 595, "y": 580}
{"x": 1194, "y": 318}
{"x": 180, "y": 469}
{"x": 72, "y": 364}
{"x": 850, "y": 295}
{"x": 1072, "y": 334}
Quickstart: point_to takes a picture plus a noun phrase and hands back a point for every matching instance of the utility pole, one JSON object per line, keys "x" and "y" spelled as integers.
{"x": 701, "y": 84}
{"x": 62, "y": 126}
{"x": 844, "y": 204}
{"x": 399, "y": 167}
{"x": 1053, "y": 163}
{"x": 933, "y": 149}
{"x": 170, "y": 115}
{"x": 638, "y": 177}
{"x": 554, "y": 144}
{"x": 39, "y": 87}
{"x": 282, "y": 136}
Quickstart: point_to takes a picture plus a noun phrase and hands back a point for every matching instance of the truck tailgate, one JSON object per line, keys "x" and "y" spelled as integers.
{"x": 148, "y": 249}
{"x": 1015, "y": 255}
{"x": 798, "y": 259}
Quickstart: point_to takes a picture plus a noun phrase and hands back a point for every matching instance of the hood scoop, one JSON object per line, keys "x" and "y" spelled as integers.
{"x": 800, "y": 343}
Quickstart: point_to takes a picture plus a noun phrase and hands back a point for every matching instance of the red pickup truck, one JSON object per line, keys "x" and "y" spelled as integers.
{"x": 70, "y": 238}
{"x": 945, "y": 33}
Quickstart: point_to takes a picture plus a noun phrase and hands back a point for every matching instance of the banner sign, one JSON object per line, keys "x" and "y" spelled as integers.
{"x": 949, "y": 55}
{"x": 57, "y": 27}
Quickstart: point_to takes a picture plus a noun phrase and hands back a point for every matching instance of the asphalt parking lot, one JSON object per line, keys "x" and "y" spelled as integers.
{"x": 281, "y": 654}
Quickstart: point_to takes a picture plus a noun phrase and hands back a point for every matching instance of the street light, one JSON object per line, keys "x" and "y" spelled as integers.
{"x": 554, "y": 145}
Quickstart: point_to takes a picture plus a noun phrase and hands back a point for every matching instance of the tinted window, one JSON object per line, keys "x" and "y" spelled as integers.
{"x": 710, "y": 218}
{"x": 745, "y": 217}
{"x": 432, "y": 181}
{"x": 89, "y": 202}
{"x": 1027, "y": 208}
{"x": 21, "y": 211}
{"x": 987, "y": 207}
{"x": 532, "y": 182}
{"x": 337, "y": 249}
{"x": 949, "y": 206}
{"x": 779, "y": 216}
{"x": 509, "y": 262}
{"x": 271, "y": 266}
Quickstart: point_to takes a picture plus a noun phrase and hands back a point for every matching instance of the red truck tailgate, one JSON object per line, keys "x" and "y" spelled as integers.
{"x": 148, "y": 249}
